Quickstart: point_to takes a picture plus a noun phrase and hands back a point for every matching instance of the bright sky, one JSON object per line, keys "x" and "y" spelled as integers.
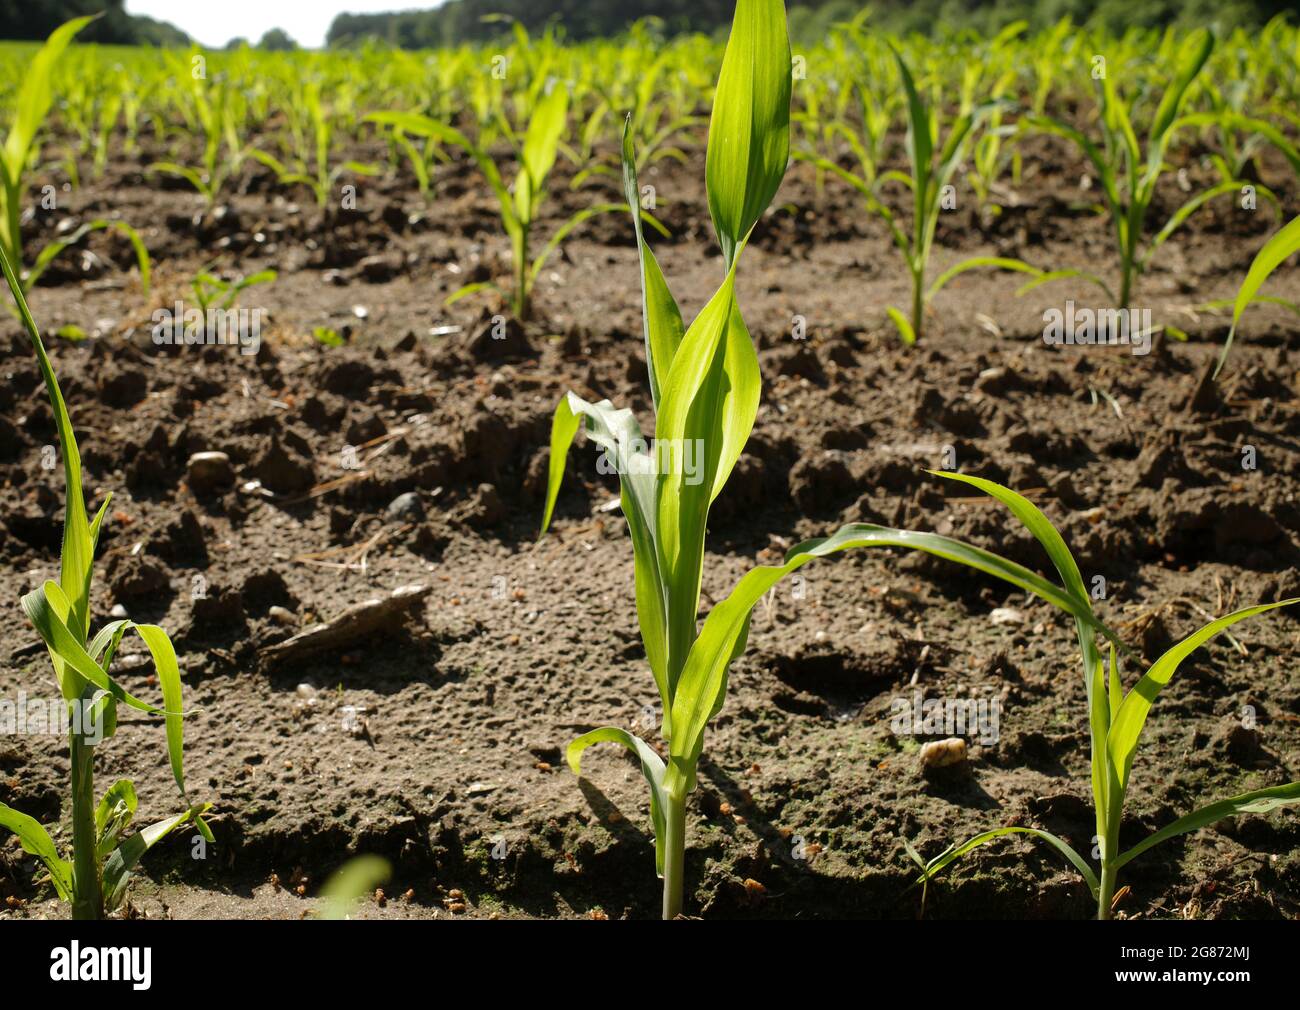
{"x": 215, "y": 22}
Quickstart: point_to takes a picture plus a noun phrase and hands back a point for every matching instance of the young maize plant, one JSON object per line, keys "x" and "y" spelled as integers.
{"x": 932, "y": 168}
{"x": 102, "y": 859}
{"x": 214, "y": 113}
{"x": 519, "y": 210}
{"x": 1128, "y": 175}
{"x": 323, "y": 180}
{"x": 1276, "y": 251}
{"x": 212, "y": 292}
{"x": 860, "y": 70}
{"x": 1116, "y": 720}
{"x": 22, "y": 147}
{"x": 994, "y": 74}
{"x": 704, "y": 383}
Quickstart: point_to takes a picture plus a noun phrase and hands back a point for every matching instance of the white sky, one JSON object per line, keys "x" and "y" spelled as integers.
{"x": 215, "y": 22}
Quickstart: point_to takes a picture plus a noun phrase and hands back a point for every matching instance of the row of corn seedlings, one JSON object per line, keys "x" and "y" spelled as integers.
{"x": 704, "y": 385}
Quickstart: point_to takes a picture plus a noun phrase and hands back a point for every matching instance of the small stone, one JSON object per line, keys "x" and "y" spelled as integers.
{"x": 118, "y": 613}
{"x": 405, "y": 506}
{"x": 943, "y": 753}
{"x": 379, "y": 268}
{"x": 354, "y": 722}
{"x": 486, "y": 508}
{"x": 282, "y": 615}
{"x": 1007, "y": 615}
{"x": 210, "y": 472}
{"x": 993, "y": 381}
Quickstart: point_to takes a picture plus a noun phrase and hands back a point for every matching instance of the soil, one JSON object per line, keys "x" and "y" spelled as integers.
{"x": 439, "y": 743}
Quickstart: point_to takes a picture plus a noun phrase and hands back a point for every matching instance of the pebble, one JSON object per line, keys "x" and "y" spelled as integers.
{"x": 942, "y": 753}
{"x": 1007, "y": 615}
{"x": 210, "y": 471}
{"x": 353, "y": 723}
{"x": 283, "y": 616}
{"x": 118, "y": 613}
{"x": 405, "y": 506}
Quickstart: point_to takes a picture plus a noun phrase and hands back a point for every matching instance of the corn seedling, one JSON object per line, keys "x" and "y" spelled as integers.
{"x": 1128, "y": 174}
{"x": 102, "y": 858}
{"x": 216, "y": 119}
{"x": 322, "y": 179}
{"x": 22, "y": 147}
{"x": 932, "y": 169}
{"x": 705, "y": 383}
{"x": 519, "y": 210}
{"x": 215, "y": 293}
{"x": 1115, "y": 720}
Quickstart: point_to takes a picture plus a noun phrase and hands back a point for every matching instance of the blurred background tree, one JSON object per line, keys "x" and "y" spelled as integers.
{"x": 464, "y": 20}
{"x": 277, "y": 39}
{"x": 35, "y": 19}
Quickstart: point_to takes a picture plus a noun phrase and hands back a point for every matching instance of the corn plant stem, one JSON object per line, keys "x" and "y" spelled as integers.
{"x": 1106, "y": 891}
{"x": 521, "y": 277}
{"x": 1126, "y": 277}
{"x": 13, "y": 199}
{"x": 674, "y": 853}
{"x": 87, "y": 894}
{"x": 918, "y": 302}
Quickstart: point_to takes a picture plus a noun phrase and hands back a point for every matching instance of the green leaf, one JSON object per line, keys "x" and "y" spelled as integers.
{"x": 1187, "y": 210}
{"x": 905, "y": 330}
{"x": 976, "y": 262}
{"x": 77, "y": 555}
{"x": 45, "y": 608}
{"x": 53, "y": 249}
{"x": 1122, "y": 742}
{"x": 1196, "y": 50}
{"x": 37, "y": 841}
{"x": 350, "y": 883}
{"x": 955, "y": 852}
{"x": 1086, "y": 624}
{"x": 920, "y": 138}
{"x": 541, "y": 143}
{"x": 118, "y": 867}
{"x": 196, "y": 180}
{"x": 114, "y": 814}
{"x": 1057, "y": 275}
{"x": 561, "y": 233}
{"x": 708, "y": 410}
{"x": 1038, "y": 524}
{"x": 1275, "y": 252}
{"x": 35, "y": 96}
{"x": 169, "y": 679}
{"x": 702, "y": 685}
{"x": 749, "y": 132}
{"x": 652, "y": 767}
{"x": 423, "y": 126}
{"x": 619, "y": 435}
{"x": 661, "y": 320}
{"x": 1261, "y": 801}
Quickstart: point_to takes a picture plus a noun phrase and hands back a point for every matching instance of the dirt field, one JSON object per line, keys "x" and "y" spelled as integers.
{"x": 440, "y": 745}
